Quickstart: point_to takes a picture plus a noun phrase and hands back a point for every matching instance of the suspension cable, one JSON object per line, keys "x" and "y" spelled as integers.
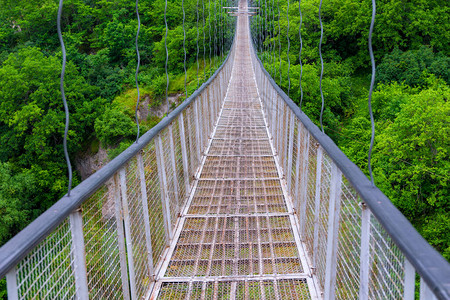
{"x": 289, "y": 46}
{"x": 279, "y": 41}
{"x": 300, "y": 52}
{"x": 198, "y": 64}
{"x": 265, "y": 32}
{"x": 372, "y": 82}
{"x": 225, "y": 28}
{"x": 209, "y": 27}
{"x": 215, "y": 35}
{"x": 321, "y": 64}
{"x": 137, "y": 70}
{"x": 204, "y": 40}
{"x": 269, "y": 46}
{"x": 63, "y": 96}
{"x": 274, "y": 69}
{"x": 222, "y": 28}
{"x": 184, "y": 48}
{"x": 260, "y": 28}
{"x": 167, "y": 58}
{"x": 258, "y": 31}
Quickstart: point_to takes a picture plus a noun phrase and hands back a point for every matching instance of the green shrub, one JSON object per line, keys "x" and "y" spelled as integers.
{"x": 113, "y": 126}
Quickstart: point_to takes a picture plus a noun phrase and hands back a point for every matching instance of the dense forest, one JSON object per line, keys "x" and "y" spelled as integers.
{"x": 410, "y": 101}
{"x": 99, "y": 85}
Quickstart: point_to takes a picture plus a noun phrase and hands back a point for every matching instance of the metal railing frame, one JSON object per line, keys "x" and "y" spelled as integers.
{"x": 421, "y": 257}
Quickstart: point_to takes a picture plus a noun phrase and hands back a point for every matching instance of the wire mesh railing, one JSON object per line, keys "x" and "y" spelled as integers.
{"x": 108, "y": 240}
{"x": 359, "y": 245}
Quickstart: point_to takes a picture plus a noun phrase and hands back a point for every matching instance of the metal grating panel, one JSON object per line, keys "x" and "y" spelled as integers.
{"x": 242, "y": 105}
{"x": 238, "y": 197}
{"x": 239, "y": 167}
{"x": 226, "y": 246}
{"x": 248, "y": 119}
{"x": 295, "y": 289}
{"x": 241, "y": 132}
{"x": 240, "y": 147}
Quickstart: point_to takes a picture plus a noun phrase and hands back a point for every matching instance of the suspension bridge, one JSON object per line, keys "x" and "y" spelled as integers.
{"x": 236, "y": 194}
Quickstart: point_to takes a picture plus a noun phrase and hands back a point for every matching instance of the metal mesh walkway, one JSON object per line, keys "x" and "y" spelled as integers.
{"x": 236, "y": 238}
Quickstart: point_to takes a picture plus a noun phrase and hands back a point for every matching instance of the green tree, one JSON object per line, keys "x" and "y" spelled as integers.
{"x": 411, "y": 158}
{"x": 112, "y": 126}
{"x": 13, "y": 189}
{"x": 412, "y": 67}
{"x": 32, "y": 128}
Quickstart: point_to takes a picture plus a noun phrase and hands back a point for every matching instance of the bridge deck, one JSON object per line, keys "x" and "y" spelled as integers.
{"x": 237, "y": 238}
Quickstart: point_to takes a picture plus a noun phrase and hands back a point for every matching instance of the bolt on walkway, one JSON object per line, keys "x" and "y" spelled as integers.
{"x": 237, "y": 238}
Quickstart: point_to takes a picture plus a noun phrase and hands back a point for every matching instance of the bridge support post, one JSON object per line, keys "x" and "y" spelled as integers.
{"x": 365, "y": 253}
{"x": 144, "y": 203}
{"x": 129, "y": 240}
{"x": 214, "y": 104}
{"x": 174, "y": 169}
{"x": 299, "y": 157}
{"x": 203, "y": 113}
{"x": 212, "y": 111}
{"x": 264, "y": 102}
{"x": 291, "y": 150}
{"x": 333, "y": 233}
{"x": 284, "y": 130}
{"x": 273, "y": 113}
{"x": 202, "y": 118}
{"x": 11, "y": 284}
{"x": 304, "y": 181}
{"x": 298, "y": 177}
{"x": 192, "y": 153}
{"x": 410, "y": 278}
{"x": 218, "y": 82}
{"x": 164, "y": 192}
{"x": 317, "y": 207}
{"x": 79, "y": 255}
{"x": 184, "y": 157}
{"x": 425, "y": 291}
{"x": 197, "y": 129}
{"x": 279, "y": 130}
{"x": 121, "y": 239}
{"x": 207, "y": 114}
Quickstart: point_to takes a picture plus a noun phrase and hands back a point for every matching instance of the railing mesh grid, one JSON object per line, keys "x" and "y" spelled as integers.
{"x": 387, "y": 263}
{"x": 348, "y": 268}
{"x": 137, "y": 223}
{"x": 155, "y": 207}
{"x": 46, "y": 272}
{"x": 101, "y": 245}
